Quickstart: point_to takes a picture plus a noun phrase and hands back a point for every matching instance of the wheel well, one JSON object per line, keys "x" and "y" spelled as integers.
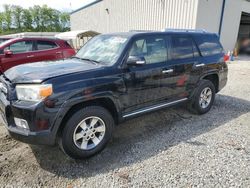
{"x": 104, "y": 102}
{"x": 214, "y": 79}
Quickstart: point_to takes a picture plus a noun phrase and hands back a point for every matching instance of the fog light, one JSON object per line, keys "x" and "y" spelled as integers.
{"x": 21, "y": 123}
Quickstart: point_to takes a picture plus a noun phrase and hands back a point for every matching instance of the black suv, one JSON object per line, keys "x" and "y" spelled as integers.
{"x": 77, "y": 102}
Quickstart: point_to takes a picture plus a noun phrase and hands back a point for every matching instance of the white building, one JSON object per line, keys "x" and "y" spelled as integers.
{"x": 229, "y": 18}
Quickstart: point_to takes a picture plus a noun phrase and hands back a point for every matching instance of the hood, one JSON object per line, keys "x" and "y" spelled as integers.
{"x": 40, "y": 71}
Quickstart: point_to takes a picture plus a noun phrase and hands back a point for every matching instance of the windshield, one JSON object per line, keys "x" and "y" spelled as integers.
{"x": 103, "y": 49}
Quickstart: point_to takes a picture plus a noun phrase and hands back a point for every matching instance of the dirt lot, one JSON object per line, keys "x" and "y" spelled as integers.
{"x": 168, "y": 148}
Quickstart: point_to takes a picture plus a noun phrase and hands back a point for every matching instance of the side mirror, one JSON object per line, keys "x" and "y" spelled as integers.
{"x": 8, "y": 52}
{"x": 135, "y": 61}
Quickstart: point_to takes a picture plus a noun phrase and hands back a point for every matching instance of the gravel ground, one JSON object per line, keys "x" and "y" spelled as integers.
{"x": 170, "y": 148}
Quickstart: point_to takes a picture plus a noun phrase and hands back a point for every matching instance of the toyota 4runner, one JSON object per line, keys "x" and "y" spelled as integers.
{"x": 77, "y": 102}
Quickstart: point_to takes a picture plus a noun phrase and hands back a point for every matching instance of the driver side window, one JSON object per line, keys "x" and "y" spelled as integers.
{"x": 20, "y": 47}
{"x": 152, "y": 49}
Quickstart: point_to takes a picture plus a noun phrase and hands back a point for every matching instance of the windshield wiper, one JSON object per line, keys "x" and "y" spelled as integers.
{"x": 86, "y": 59}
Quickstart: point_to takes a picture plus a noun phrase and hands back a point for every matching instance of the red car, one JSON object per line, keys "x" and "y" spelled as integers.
{"x": 28, "y": 50}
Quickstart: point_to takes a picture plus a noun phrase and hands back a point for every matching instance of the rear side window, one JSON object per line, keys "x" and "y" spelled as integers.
{"x": 67, "y": 44}
{"x": 45, "y": 45}
{"x": 183, "y": 47}
{"x": 209, "y": 45}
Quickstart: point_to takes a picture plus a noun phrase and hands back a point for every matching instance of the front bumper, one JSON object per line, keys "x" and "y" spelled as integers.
{"x": 34, "y": 138}
{"x": 32, "y": 115}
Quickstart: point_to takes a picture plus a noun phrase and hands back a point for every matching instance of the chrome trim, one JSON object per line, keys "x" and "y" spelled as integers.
{"x": 154, "y": 107}
{"x": 167, "y": 71}
{"x": 200, "y": 65}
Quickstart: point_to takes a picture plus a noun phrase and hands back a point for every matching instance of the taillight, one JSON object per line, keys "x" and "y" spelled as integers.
{"x": 226, "y": 57}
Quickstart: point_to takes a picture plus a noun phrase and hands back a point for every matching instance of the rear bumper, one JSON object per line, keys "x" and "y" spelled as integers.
{"x": 222, "y": 79}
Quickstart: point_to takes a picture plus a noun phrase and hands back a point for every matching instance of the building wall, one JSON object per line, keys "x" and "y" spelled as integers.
{"x": 124, "y": 15}
{"x": 231, "y": 22}
{"x": 208, "y": 17}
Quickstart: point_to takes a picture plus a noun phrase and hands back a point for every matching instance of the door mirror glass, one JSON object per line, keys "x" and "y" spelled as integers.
{"x": 8, "y": 52}
{"x": 134, "y": 60}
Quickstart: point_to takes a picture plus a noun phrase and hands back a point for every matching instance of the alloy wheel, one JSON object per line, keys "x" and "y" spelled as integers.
{"x": 205, "y": 97}
{"x": 89, "y": 133}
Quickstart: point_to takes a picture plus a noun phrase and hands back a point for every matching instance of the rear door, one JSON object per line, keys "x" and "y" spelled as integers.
{"x": 211, "y": 51}
{"x": 181, "y": 67}
{"x": 22, "y": 53}
{"x": 47, "y": 50}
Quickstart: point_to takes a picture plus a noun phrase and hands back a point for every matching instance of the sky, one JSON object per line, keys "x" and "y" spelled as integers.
{"x": 63, "y": 5}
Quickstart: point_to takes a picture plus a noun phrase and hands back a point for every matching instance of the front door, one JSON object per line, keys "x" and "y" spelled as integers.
{"x": 143, "y": 82}
{"x": 22, "y": 52}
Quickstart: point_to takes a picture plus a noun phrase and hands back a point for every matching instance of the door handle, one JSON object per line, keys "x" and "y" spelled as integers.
{"x": 200, "y": 65}
{"x": 167, "y": 71}
{"x": 29, "y": 56}
{"x": 58, "y": 52}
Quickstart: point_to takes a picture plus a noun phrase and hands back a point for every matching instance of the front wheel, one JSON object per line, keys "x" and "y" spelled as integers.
{"x": 87, "y": 132}
{"x": 203, "y": 98}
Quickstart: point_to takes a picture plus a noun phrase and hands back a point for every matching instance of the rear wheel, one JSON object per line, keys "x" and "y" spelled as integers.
{"x": 203, "y": 98}
{"x": 87, "y": 132}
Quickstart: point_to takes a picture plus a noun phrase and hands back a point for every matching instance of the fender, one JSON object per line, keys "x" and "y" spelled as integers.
{"x": 209, "y": 73}
{"x": 68, "y": 104}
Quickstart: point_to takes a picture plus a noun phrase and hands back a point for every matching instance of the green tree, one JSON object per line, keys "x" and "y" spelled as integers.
{"x": 17, "y": 12}
{"x": 37, "y": 18}
{"x": 1, "y": 22}
{"x": 7, "y": 17}
{"x": 65, "y": 21}
{"x": 27, "y": 20}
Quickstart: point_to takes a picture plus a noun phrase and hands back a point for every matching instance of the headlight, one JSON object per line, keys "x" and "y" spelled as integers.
{"x": 33, "y": 92}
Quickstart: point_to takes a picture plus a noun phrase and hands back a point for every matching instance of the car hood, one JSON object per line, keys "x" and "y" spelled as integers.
{"x": 40, "y": 71}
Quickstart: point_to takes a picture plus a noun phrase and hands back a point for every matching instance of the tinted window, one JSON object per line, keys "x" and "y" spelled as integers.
{"x": 21, "y": 47}
{"x": 153, "y": 49}
{"x": 182, "y": 47}
{"x": 67, "y": 44}
{"x": 44, "y": 45}
{"x": 208, "y": 45}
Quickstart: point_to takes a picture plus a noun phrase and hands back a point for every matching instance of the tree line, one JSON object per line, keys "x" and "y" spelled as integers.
{"x": 14, "y": 19}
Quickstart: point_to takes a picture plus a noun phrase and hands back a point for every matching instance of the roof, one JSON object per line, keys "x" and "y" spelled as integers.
{"x": 172, "y": 31}
{"x": 75, "y": 34}
{"x": 31, "y": 34}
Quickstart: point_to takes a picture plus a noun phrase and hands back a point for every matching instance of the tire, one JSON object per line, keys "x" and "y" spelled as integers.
{"x": 74, "y": 145}
{"x": 195, "y": 104}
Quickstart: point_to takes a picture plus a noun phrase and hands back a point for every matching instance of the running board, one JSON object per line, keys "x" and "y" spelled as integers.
{"x": 155, "y": 107}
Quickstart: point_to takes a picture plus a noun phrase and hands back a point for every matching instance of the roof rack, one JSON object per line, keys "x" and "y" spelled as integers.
{"x": 141, "y": 30}
{"x": 187, "y": 30}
